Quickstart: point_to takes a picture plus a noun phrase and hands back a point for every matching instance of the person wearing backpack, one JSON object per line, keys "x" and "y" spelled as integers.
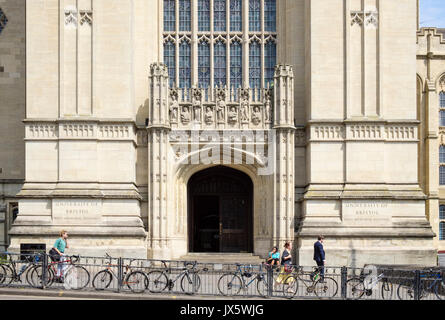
{"x": 58, "y": 251}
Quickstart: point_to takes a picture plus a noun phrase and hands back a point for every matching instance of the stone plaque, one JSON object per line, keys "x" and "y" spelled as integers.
{"x": 367, "y": 212}
{"x": 77, "y": 211}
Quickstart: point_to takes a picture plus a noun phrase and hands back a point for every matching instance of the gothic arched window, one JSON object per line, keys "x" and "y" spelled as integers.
{"x": 255, "y": 64}
{"x": 204, "y": 65}
{"x": 254, "y": 15}
{"x": 442, "y": 222}
{"x": 169, "y": 15}
{"x": 270, "y": 15}
{"x": 185, "y": 15}
{"x": 270, "y": 60}
{"x": 442, "y": 165}
{"x": 220, "y": 64}
{"x": 220, "y": 15}
{"x": 241, "y": 42}
{"x": 442, "y": 230}
{"x": 236, "y": 64}
{"x": 442, "y": 99}
{"x": 185, "y": 79}
{"x": 170, "y": 60}
{"x": 204, "y": 15}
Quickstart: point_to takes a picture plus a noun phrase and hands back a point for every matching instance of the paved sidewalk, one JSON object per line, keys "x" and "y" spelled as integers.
{"x": 4, "y": 292}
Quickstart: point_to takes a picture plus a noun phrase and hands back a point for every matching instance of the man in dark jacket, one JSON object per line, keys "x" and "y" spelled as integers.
{"x": 319, "y": 255}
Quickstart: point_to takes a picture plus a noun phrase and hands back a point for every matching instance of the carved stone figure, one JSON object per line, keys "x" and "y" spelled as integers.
{"x": 208, "y": 118}
{"x": 196, "y": 101}
{"x": 244, "y": 106}
{"x": 244, "y": 111}
{"x": 233, "y": 115}
{"x": 256, "y": 115}
{"x": 220, "y": 111}
{"x": 174, "y": 106}
{"x": 185, "y": 116}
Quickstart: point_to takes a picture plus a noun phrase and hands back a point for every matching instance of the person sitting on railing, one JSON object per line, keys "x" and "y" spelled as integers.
{"x": 274, "y": 257}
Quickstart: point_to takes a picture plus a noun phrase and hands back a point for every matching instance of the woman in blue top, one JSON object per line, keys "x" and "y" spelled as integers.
{"x": 60, "y": 245}
{"x": 274, "y": 257}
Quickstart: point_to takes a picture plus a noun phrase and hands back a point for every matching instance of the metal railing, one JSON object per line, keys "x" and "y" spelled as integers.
{"x": 153, "y": 277}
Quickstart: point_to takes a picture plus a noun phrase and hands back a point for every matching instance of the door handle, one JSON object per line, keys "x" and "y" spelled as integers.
{"x": 220, "y": 228}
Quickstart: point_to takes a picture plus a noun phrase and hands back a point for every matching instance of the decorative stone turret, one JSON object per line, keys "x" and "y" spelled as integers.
{"x": 158, "y": 112}
{"x": 284, "y": 154}
{"x": 158, "y": 131}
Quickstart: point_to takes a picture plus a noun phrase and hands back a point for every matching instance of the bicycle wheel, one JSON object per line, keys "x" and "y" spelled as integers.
{"x": 355, "y": 288}
{"x": 230, "y": 284}
{"x": 76, "y": 278}
{"x": 190, "y": 283}
{"x": 2, "y": 274}
{"x": 439, "y": 290}
{"x": 7, "y": 274}
{"x": 290, "y": 287}
{"x": 405, "y": 290}
{"x": 387, "y": 289}
{"x": 102, "y": 280}
{"x": 262, "y": 286}
{"x": 326, "y": 288}
{"x": 36, "y": 277}
{"x": 157, "y": 281}
{"x": 137, "y": 281}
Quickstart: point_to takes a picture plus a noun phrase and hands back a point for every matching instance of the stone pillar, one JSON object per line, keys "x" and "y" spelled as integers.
{"x": 283, "y": 225}
{"x": 432, "y": 145}
{"x": 158, "y": 130}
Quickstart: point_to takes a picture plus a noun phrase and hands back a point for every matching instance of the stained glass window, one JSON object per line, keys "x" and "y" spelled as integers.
{"x": 220, "y": 15}
{"x": 220, "y": 67}
{"x": 203, "y": 15}
{"x": 236, "y": 13}
{"x": 270, "y": 60}
{"x": 236, "y": 64}
{"x": 170, "y": 61}
{"x": 270, "y": 15}
{"x": 255, "y": 65}
{"x": 204, "y": 65}
{"x": 254, "y": 15}
{"x": 169, "y": 15}
{"x": 185, "y": 15}
{"x": 442, "y": 99}
{"x": 185, "y": 75}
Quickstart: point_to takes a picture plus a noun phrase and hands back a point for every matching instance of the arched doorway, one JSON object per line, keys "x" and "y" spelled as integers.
{"x": 220, "y": 211}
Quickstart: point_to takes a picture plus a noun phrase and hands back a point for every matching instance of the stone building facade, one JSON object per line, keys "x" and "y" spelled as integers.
{"x": 159, "y": 128}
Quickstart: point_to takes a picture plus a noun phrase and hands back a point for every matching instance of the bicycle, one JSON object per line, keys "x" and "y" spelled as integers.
{"x": 158, "y": 280}
{"x": 437, "y": 286}
{"x": 322, "y": 287}
{"x": 9, "y": 274}
{"x": 230, "y": 284}
{"x": 132, "y": 279}
{"x": 359, "y": 286}
{"x": 75, "y": 277}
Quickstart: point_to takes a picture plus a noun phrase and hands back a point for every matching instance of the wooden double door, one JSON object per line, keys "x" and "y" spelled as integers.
{"x": 220, "y": 211}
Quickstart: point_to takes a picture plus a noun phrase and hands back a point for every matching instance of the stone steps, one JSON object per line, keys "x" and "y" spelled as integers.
{"x": 224, "y": 258}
